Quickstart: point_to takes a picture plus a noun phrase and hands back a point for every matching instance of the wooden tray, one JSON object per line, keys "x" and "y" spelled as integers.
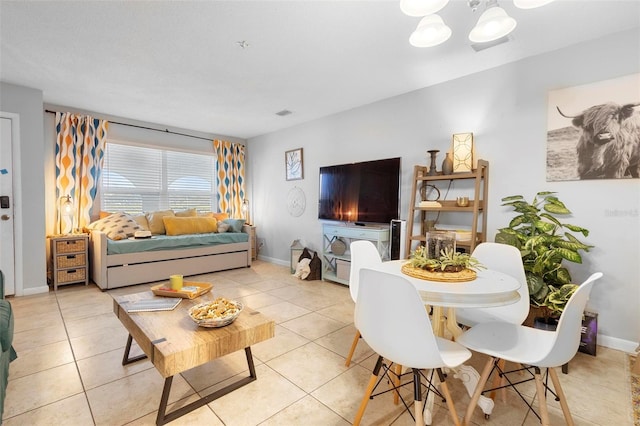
{"x": 447, "y": 277}
{"x": 163, "y": 290}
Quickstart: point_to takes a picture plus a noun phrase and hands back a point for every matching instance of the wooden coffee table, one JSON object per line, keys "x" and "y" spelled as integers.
{"x": 174, "y": 343}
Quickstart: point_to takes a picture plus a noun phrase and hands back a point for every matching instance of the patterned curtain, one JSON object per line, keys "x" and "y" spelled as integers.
{"x": 79, "y": 151}
{"x": 231, "y": 191}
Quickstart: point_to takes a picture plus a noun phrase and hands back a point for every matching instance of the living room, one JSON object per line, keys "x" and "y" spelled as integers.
{"x": 506, "y": 109}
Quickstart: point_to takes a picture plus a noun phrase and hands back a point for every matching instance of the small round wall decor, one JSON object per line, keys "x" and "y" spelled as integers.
{"x": 296, "y": 202}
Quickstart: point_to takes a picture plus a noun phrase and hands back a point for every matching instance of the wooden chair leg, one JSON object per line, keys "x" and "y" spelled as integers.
{"x": 353, "y": 348}
{"x": 417, "y": 397}
{"x": 396, "y": 384}
{"x": 542, "y": 401}
{"x": 447, "y": 395}
{"x": 367, "y": 392}
{"x": 499, "y": 381}
{"x": 476, "y": 395}
{"x": 563, "y": 399}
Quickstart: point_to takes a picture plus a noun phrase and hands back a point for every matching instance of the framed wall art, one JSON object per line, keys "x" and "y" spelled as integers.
{"x": 293, "y": 164}
{"x": 593, "y": 130}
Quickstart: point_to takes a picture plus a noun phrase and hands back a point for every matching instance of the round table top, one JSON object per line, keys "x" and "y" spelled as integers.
{"x": 490, "y": 288}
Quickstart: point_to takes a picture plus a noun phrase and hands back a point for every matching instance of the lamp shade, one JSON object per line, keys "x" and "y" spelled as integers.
{"x": 462, "y": 148}
{"x": 422, "y": 7}
{"x": 493, "y": 24}
{"x": 530, "y": 4}
{"x": 431, "y": 31}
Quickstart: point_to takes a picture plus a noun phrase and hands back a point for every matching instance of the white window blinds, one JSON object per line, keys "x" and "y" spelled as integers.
{"x": 139, "y": 179}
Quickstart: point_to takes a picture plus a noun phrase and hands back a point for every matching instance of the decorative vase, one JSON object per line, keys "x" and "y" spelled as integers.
{"x": 432, "y": 167}
{"x": 447, "y": 165}
{"x": 438, "y": 241}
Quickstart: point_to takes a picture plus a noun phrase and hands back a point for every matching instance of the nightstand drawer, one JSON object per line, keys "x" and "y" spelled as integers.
{"x": 71, "y": 275}
{"x": 71, "y": 246}
{"x": 71, "y": 260}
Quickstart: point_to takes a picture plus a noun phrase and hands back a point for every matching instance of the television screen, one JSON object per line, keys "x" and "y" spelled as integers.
{"x": 366, "y": 192}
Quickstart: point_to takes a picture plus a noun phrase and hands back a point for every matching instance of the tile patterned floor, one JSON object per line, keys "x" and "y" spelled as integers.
{"x": 70, "y": 348}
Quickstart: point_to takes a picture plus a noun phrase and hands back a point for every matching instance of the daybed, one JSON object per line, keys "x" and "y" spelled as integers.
{"x": 118, "y": 263}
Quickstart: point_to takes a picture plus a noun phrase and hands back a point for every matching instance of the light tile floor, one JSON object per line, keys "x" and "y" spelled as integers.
{"x": 70, "y": 347}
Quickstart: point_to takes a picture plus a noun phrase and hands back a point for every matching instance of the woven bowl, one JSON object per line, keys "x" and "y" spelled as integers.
{"x": 215, "y": 322}
{"x": 338, "y": 247}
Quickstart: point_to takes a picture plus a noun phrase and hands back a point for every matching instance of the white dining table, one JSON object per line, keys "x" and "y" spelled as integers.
{"x": 489, "y": 289}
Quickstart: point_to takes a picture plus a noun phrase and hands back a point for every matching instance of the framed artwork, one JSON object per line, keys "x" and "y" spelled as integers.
{"x": 462, "y": 147}
{"x": 293, "y": 164}
{"x": 593, "y": 130}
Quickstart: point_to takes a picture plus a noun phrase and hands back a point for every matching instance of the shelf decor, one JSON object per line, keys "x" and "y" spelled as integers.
{"x": 462, "y": 152}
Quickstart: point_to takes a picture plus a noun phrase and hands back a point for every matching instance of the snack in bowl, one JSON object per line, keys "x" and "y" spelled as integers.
{"x": 217, "y": 313}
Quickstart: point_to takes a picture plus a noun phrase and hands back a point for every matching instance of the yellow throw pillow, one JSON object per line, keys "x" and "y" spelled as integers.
{"x": 189, "y": 225}
{"x": 219, "y": 216}
{"x": 187, "y": 213}
{"x": 156, "y": 225}
{"x": 141, "y": 219}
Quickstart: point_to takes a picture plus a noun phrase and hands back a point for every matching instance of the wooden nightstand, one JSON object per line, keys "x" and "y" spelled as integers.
{"x": 254, "y": 243}
{"x": 69, "y": 259}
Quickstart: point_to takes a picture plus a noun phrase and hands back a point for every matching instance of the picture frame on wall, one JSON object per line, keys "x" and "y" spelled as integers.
{"x": 294, "y": 166}
{"x": 593, "y": 130}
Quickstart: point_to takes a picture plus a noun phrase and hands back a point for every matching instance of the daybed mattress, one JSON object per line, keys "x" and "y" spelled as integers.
{"x": 164, "y": 242}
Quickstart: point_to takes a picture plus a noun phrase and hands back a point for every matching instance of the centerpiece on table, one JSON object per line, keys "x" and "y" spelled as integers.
{"x": 449, "y": 266}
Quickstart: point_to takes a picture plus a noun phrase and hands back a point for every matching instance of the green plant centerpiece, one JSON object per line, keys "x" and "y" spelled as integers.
{"x": 449, "y": 261}
{"x": 544, "y": 243}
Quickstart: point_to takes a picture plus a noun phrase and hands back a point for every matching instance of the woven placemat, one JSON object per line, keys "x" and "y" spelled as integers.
{"x": 445, "y": 277}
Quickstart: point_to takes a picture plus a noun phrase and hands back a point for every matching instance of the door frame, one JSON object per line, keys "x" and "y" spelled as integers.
{"x": 18, "y": 261}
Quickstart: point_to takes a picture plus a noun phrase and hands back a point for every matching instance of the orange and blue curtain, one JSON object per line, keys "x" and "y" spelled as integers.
{"x": 230, "y": 174}
{"x": 80, "y": 143}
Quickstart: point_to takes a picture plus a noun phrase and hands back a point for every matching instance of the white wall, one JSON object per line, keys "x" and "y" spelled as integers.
{"x": 505, "y": 108}
{"x": 31, "y": 245}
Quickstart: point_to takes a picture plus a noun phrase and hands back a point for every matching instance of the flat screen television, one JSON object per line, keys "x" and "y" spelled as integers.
{"x": 365, "y": 192}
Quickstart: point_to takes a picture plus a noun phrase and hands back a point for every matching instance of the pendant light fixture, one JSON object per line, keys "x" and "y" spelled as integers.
{"x": 431, "y": 31}
{"x": 422, "y": 7}
{"x": 494, "y": 23}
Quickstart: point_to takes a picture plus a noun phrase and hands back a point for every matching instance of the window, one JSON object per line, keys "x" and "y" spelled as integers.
{"x": 139, "y": 179}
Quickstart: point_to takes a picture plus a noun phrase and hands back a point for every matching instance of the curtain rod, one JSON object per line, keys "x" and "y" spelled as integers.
{"x": 147, "y": 128}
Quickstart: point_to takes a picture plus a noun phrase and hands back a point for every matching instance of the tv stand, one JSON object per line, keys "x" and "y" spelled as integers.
{"x": 336, "y": 266}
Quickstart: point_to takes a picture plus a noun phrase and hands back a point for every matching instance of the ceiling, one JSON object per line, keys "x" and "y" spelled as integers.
{"x": 179, "y": 63}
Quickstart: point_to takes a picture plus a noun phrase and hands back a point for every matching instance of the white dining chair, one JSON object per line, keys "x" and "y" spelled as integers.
{"x": 533, "y": 348}
{"x": 393, "y": 321}
{"x": 364, "y": 254}
{"x": 508, "y": 260}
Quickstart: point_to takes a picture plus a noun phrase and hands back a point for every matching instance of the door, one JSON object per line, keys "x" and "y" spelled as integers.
{"x": 7, "y": 241}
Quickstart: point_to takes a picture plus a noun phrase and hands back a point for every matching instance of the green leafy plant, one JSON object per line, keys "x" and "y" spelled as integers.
{"x": 544, "y": 243}
{"x": 449, "y": 261}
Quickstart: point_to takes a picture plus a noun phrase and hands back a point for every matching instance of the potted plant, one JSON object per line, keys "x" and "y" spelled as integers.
{"x": 544, "y": 243}
{"x": 449, "y": 261}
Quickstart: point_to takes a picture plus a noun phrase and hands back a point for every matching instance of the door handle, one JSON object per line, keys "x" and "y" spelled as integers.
{"x": 5, "y": 217}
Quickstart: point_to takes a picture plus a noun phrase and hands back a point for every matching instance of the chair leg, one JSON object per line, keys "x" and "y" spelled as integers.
{"x": 447, "y": 396}
{"x": 396, "y": 384}
{"x": 498, "y": 381}
{"x": 353, "y": 348}
{"x": 563, "y": 399}
{"x": 542, "y": 401}
{"x": 476, "y": 395}
{"x": 417, "y": 397}
{"x": 368, "y": 391}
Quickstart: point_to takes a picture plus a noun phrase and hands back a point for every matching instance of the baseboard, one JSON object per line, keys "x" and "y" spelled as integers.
{"x": 35, "y": 290}
{"x": 273, "y": 260}
{"x": 628, "y": 346}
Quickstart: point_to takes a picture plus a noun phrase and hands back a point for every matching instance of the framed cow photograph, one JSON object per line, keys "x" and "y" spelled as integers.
{"x": 593, "y": 131}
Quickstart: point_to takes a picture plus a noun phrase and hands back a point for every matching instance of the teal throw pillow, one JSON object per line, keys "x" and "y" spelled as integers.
{"x": 235, "y": 225}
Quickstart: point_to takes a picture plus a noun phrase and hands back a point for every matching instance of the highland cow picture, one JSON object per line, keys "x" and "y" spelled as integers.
{"x": 593, "y": 131}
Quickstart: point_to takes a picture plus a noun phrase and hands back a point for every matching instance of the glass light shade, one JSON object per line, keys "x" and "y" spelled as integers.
{"x": 530, "y": 4}
{"x": 493, "y": 24}
{"x": 65, "y": 213}
{"x": 422, "y": 7}
{"x": 245, "y": 212}
{"x": 431, "y": 31}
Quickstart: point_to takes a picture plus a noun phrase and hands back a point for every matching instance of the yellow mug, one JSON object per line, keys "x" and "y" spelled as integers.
{"x": 176, "y": 282}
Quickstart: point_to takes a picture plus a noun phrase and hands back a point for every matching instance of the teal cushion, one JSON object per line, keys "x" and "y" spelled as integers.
{"x": 235, "y": 225}
{"x": 6, "y": 325}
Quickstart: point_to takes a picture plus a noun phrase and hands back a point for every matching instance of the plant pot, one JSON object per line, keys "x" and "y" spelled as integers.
{"x": 545, "y": 323}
